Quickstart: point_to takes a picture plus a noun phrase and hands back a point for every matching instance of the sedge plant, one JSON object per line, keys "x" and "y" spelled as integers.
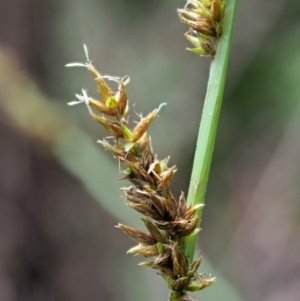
{"x": 173, "y": 224}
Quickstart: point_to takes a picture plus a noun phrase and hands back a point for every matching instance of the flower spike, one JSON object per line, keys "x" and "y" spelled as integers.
{"x": 168, "y": 221}
{"x": 204, "y": 19}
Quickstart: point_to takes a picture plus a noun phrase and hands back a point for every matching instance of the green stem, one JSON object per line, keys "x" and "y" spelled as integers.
{"x": 209, "y": 120}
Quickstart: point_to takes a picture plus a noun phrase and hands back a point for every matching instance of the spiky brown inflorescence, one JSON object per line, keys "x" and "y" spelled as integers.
{"x": 169, "y": 222}
{"x": 204, "y": 18}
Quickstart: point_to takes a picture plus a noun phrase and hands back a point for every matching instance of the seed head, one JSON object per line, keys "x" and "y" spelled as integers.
{"x": 204, "y": 18}
{"x": 168, "y": 221}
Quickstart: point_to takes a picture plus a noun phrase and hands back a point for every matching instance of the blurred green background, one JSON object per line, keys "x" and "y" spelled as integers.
{"x": 59, "y": 197}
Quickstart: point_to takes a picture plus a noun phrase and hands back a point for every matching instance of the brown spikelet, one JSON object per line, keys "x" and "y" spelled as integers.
{"x": 138, "y": 235}
{"x": 204, "y": 19}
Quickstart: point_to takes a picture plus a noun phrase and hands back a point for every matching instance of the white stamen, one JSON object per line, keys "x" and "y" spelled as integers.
{"x": 126, "y": 80}
{"x": 139, "y": 115}
{"x": 161, "y": 105}
{"x": 75, "y": 102}
{"x": 80, "y": 97}
{"x": 86, "y": 52}
{"x": 76, "y": 65}
{"x": 112, "y": 78}
{"x": 86, "y": 100}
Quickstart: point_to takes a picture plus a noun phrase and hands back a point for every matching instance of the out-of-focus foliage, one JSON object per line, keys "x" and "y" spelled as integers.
{"x": 56, "y": 243}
